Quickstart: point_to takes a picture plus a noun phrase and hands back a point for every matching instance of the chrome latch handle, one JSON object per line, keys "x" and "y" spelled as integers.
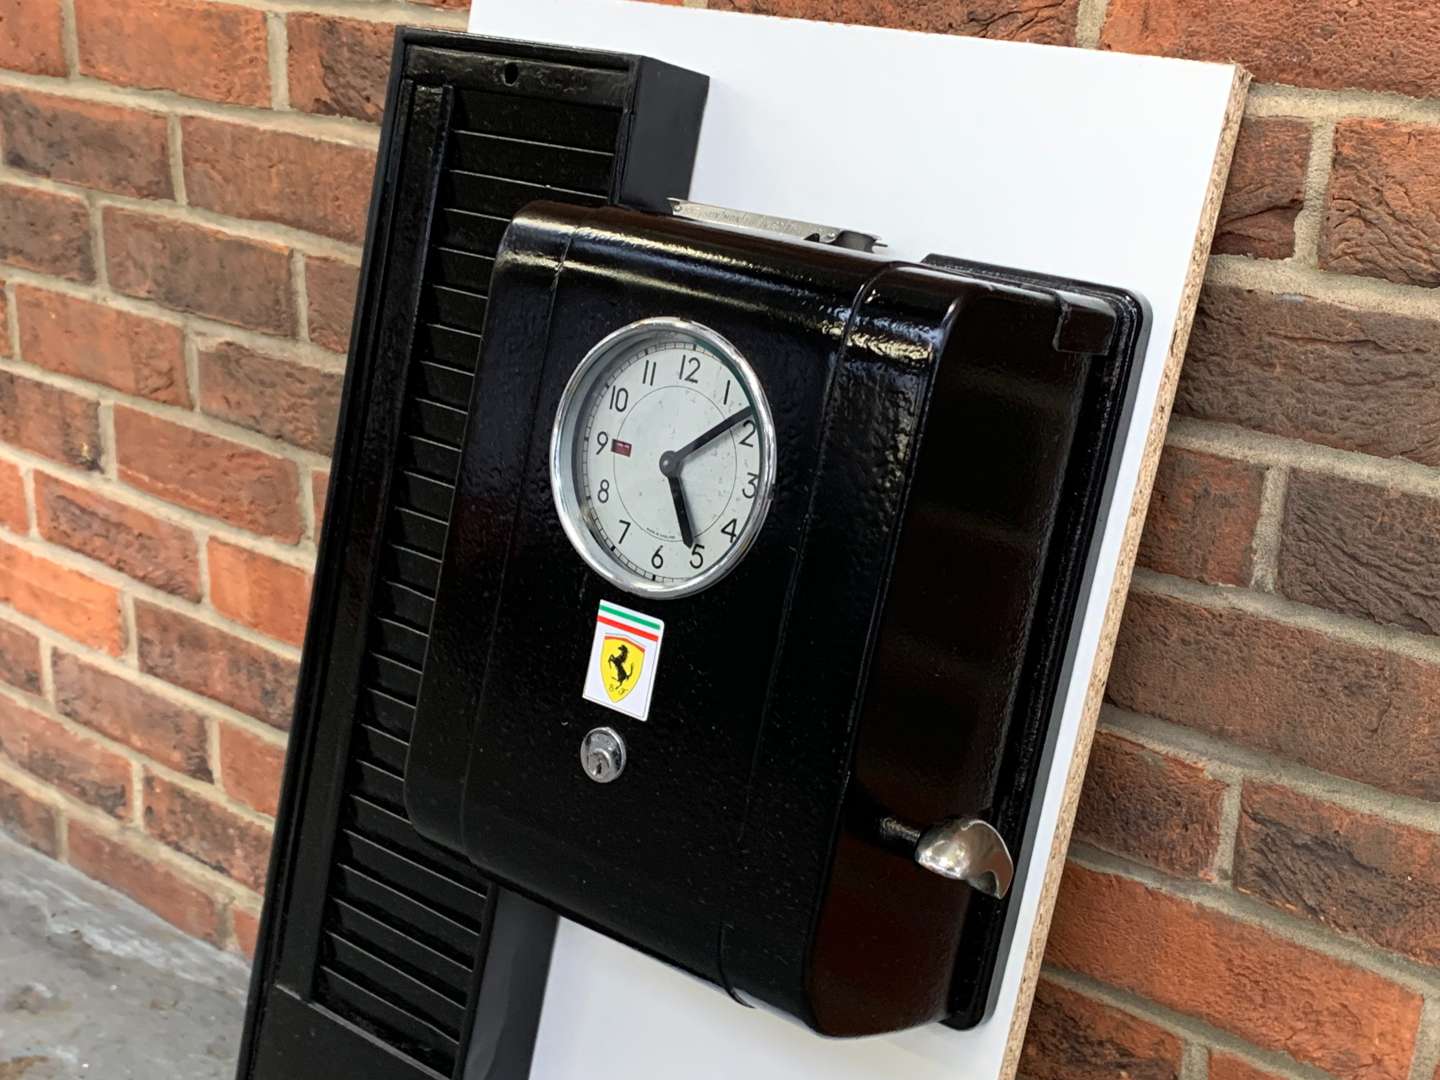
{"x": 968, "y": 850}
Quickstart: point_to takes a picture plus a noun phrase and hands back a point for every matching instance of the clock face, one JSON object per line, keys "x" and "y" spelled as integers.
{"x": 662, "y": 458}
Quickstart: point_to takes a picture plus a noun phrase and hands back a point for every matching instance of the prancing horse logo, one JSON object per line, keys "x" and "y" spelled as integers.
{"x": 620, "y": 663}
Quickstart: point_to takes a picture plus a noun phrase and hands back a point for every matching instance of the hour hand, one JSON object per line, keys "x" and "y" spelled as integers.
{"x": 682, "y": 514}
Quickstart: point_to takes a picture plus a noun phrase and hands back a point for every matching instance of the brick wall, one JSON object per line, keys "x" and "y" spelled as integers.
{"x": 1254, "y": 890}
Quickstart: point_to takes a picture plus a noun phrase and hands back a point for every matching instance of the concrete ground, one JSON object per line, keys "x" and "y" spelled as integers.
{"x": 92, "y": 985}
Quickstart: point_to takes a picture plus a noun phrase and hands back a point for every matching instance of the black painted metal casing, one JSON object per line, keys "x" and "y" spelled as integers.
{"x": 890, "y": 647}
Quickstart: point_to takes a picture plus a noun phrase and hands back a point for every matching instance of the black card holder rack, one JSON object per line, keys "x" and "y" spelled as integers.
{"x": 380, "y": 955}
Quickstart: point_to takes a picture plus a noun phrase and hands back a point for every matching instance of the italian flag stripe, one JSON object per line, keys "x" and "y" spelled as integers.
{"x": 627, "y": 628}
{"x": 627, "y": 616}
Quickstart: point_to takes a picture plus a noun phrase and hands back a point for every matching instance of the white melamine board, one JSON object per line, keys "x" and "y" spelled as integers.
{"x": 1092, "y": 165}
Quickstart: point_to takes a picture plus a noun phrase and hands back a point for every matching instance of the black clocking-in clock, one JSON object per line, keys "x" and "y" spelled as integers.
{"x": 761, "y": 581}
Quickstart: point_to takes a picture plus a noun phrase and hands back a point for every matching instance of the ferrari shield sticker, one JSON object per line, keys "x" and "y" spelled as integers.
{"x": 623, "y": 659}
{"x": 621, "y": 662}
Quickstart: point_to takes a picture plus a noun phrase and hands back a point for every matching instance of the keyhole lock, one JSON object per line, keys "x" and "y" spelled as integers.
{"x": 602, "y": 755}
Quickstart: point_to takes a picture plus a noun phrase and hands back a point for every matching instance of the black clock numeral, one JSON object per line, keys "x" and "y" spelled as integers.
{"x": 731, "y": 529}
{"x": 689, "y": 369}
{"x": 600, "y": 441}
{"x": 647, "y": 376}
{"x": 751, "y": 486}
{"x": 725, "y": 397}
{"x": 625, "y": 531}
{"x": 748, "y": 439}
{"x": 619, "y": 398}
{"x": 656, "y": 560}
{"x": 604, "y": 493}
{"x": 697, "y": 556}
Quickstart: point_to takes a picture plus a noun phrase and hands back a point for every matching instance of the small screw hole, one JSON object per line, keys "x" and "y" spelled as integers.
{"x": 511, "y": 74}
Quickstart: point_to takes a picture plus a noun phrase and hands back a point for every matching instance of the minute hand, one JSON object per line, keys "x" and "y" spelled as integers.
{"x": 714, "y": 433}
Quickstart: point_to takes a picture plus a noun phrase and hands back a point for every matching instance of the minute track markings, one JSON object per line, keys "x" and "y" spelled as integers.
{"x": 619, "y": 492}
{"x": 695, "y": 447}
{"x": 652, "y": 527}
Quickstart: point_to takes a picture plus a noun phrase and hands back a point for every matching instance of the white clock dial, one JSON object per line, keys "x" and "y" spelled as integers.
{"x": 662, "y": 457}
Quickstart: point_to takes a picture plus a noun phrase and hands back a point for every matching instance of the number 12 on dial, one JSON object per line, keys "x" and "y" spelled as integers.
{"x": 662, "y": 457}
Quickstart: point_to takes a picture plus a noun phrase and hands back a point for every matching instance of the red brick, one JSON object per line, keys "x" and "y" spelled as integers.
{"x": 1238, "y": 977}
{"x": 247, "y": 931}
{"x": 4, "y": 322}
{"x": 48, "y": 421}
{"x": 205, "y": 271}
{"x": 132, "y": 353}
{"x": 1382, "y": 212}
{"x": 1050, "y": 22}
{"x": 19, "y": 658}
{"x": 1202, "y": 517}
{"x": 205, "y": 50}
{"x": 29, "y": 820}
{"x": 168, "y": 733}
{"x": 46, "y": 231}
{"x": 132, "y": 541}
{"x": 207, "y": 661}
{"x": 85, "y": 142}
{"x": 32, "y": 36}
{"x": 1359, "y": 875}
{"x": 1266, "y": 190}
{"x": 248, "y": 488}
{"x": 280, "y": 398}
{"x": 1306, "y": 369}
{"x": 207, "y": 831}
{"x": 1150, "y": 806}
{"x": 251, "y": 767}
{"x": 65, "y": 600}
{"x": 263, "y": 593}
{"x": 46, "y": 749}
{"x": 1352, "y": 710}
{"x": 13, "y": 514}
{"x": 1225, "y": 1067}
{"x": 339, "y": 67}
{"x": 1331, "y": 44}
{"x": 331, "y": 286}
{"x": 252, "y": 172}
{"x": 145, "y": 880}
{"x": 464, "y": 5}
{"x": 1072, "y": 1037}
{"x": 1361, "y": 550}
{"x": 319, "y": 491}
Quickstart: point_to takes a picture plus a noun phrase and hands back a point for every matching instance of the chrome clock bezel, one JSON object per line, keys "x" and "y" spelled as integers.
{"x": 562, "y": 456}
